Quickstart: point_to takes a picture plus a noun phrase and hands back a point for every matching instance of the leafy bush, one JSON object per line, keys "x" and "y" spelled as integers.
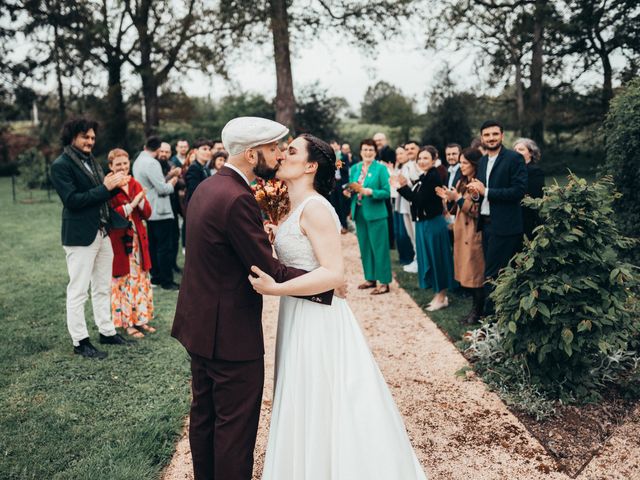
{"x": 33, "y": 168}
{"x": 622, "y": 131}
{"x": 504, "y": 375}
{"x": 566, "y": 302}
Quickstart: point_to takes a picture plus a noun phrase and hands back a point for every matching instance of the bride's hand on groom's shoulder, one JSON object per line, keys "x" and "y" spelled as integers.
{"x": 262, "y": 282}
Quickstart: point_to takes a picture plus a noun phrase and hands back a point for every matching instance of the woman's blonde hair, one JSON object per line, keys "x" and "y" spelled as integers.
{"x": 116, "y": 152}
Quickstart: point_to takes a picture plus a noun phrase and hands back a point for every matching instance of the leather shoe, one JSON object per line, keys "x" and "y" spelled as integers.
{"x": 171, "y": 286}
{"x": 116, "y": 339}
{"x": 88, "y": 351}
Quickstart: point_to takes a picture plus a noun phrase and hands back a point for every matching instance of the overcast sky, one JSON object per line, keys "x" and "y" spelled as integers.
{"x": 343, "y": 69}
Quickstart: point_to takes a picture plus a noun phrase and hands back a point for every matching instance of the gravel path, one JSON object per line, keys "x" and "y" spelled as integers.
{"x": 458, "y": 428}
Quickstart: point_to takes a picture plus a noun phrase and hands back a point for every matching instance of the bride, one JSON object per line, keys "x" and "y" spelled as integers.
{"x": 333, "y": 416}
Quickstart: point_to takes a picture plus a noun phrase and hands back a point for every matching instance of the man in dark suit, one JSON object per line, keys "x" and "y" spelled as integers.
{"x": 218, "y": 315}
{"x": 337, "y": 199}
{"x": 387, "y": 155}
{"x": 86, "y": 220}
{"x": 501, "y": 182}
{"x": 199, "y": 170}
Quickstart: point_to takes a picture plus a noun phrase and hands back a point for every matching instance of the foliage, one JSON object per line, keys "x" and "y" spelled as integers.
{"x": 508, "y": 377}
{"x": 622, "y": 131}
{"x": 385, "y": 104}
{"x": 32, "y": 166}
{"x": 448, "y": 114}
{"x": 317, "y": 113}
{"x": 566, "y": 302}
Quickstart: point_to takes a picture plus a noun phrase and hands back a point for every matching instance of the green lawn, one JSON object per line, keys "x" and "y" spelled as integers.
{"x": 62, "y": 416}
{"x": 448, "y": 319}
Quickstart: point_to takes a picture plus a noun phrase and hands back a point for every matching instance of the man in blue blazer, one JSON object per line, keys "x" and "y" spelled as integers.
{"x": 501, "y": 184}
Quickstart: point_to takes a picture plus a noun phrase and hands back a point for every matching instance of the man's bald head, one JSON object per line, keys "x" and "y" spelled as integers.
{"x": 380, "y": 139}
{"x": 164, "y": 152}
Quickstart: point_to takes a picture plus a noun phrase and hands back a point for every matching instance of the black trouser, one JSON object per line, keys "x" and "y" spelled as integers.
{"x": 498, "y": 251}
{"x": 392, "y": 243}
{"x": 161, "y": 250}
{"x": 337, "y": 200}
{"x": 175, "y": 242}
{"x": 224, "y": 417}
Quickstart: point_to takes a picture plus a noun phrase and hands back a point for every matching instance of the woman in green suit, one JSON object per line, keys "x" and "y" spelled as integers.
{"x": 368, "y": 189}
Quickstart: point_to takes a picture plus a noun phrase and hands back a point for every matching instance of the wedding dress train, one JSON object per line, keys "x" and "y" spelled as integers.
{"x": 333, "y": 415}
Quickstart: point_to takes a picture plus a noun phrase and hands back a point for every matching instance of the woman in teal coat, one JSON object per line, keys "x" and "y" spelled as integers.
{"x": 368, "y": 189}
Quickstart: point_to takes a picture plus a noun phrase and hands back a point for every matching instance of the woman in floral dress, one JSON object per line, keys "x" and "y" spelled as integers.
{"x": 131, "y": 293}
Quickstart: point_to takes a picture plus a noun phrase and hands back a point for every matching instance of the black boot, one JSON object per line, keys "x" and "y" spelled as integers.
{"x": 477, "y": 310}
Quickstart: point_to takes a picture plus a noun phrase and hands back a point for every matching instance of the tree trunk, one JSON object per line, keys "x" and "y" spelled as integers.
{"x": 519, "y": 97}
{"x": 116, "y": 122}
{"x": 62, "y": 108}
{"x": 607, "y": 87}
{"x": 285, "y": 99}
{"x": 151, "y": 105}
{"x": 536, "y": 105}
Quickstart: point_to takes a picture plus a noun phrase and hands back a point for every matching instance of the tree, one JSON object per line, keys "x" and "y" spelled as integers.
{"x": 595, "y": 29}
{"x": 622, "y": 131}
{"x": 385, "y": 104}
{"x": 287, "y": 19}
{"x": 317, "y": 113}
{"x": 168, "y": 36}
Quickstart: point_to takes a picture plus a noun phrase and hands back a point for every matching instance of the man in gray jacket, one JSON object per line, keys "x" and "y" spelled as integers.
{"x": 148, "y": 171}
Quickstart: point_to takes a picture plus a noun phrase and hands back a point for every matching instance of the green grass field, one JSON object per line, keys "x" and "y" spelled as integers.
{"x": 63, "y": 416}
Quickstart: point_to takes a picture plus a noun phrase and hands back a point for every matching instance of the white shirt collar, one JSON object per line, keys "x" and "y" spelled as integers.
{"x": 453, "y": 168}
{"x": 239, "y": 172}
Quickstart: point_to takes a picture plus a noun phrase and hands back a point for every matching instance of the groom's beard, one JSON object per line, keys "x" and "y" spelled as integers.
{"x": 263, "y": 170}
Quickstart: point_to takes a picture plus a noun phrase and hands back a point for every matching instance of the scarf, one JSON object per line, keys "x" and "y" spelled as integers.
{"x": 94, "y": 172}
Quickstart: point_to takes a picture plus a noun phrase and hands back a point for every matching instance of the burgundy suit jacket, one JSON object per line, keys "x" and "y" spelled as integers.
{"x": 219, "y": 314}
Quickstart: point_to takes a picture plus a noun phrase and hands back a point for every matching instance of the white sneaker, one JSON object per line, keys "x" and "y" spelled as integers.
{"x": 412, "y": 267}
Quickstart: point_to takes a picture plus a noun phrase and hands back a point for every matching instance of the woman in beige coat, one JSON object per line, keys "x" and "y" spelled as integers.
{"x": 468, "y": 259}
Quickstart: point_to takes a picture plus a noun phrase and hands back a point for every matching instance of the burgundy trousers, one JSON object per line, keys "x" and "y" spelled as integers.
{"x": 224, "y": 417}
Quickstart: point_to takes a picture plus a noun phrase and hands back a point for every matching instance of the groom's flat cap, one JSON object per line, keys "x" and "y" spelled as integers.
{"x": 242, "y": 133}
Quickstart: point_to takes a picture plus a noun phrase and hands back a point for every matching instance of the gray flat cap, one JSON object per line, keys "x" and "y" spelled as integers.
{"x": 242, "y": 133}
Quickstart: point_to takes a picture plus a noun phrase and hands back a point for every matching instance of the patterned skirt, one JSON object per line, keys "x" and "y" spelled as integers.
{"x": 131, "y": 295}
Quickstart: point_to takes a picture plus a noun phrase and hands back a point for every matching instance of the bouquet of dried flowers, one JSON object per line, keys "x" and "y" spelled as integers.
{"x": 273, "y": 198}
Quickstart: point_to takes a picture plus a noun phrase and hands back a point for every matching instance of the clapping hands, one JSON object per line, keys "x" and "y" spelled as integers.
{"x": 450, "y": 195}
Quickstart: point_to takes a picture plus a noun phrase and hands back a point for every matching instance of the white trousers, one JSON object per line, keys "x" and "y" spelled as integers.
{"x": 90, "y": 265}
{"x": 410, "y": 227}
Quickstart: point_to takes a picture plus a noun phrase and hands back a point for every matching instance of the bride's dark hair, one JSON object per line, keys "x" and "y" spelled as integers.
{"x": 321, "y": 153}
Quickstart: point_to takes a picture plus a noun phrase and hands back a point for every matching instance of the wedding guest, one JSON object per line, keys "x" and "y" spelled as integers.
{"x": 435, "y": 262}
{"x": 353, "y": 158}
{"x": 388, "y": 157}
{"x": 198, "y": 170}
{"x": 404, "y": 246}
{"x": 169, "y": 171}
{"x": 337, "y": 199}
{"x": 452, "y": 153}
{"x": 535, "y": 183}
{"x": 86, "y": 219}
{"x": 411, "y": 173}
{"x": 131, "y": 293}
{"x": 368, "y": 189}
{"x": 440, "y": 168}
{"x": 182, "y": 148}
{"x": 217, "y": 146}
{"x": 501, "y": 183}
{"x": 385, "y": 152}
{"x": 468, "y": 258}
{"x": 218, "y": 159}
{"x": 148, "y": 172}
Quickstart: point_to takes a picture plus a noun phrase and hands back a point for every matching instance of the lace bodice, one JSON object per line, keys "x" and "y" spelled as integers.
{"x": 292, "y": 246}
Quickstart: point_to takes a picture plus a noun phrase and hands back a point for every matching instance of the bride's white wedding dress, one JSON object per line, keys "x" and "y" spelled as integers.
{"x": 333, "y": 416}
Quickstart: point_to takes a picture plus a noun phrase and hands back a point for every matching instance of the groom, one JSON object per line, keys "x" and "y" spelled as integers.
{"x": 218, "y": 315}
